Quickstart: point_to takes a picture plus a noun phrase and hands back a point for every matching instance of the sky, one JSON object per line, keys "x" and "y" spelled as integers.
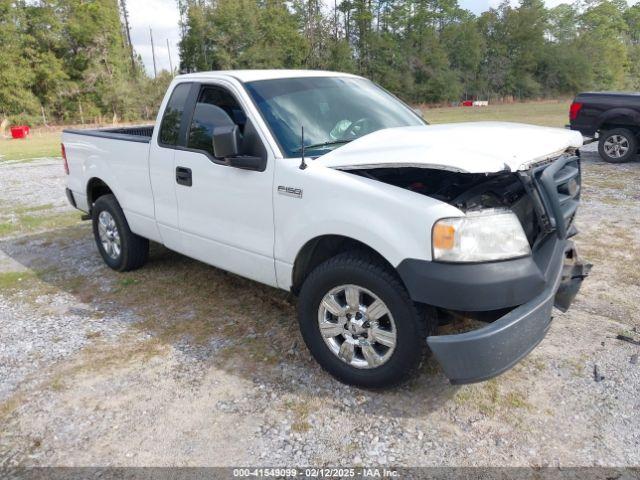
{"x": 162, "y": 17}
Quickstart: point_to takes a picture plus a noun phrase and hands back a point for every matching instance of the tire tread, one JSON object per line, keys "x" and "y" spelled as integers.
{"x": 633, "y": 145}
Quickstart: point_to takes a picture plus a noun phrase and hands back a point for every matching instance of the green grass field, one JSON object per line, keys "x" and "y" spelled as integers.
{"x": 552, "y": 113}
{"x": 40, "y": 143}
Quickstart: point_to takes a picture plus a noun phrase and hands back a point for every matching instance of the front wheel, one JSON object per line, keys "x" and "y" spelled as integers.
{"x": 121, "y": 249}
{"x": 618, "y": 145}
{"x": 359, "y": 322}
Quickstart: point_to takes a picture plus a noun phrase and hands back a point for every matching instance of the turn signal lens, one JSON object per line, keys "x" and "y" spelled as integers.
{"x": 444, "y": 236}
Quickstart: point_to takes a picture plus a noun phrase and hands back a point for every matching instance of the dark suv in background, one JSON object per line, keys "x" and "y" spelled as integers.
{"x": 615, "y": 117}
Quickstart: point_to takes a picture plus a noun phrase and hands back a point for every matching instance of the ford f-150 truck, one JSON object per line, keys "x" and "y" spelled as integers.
{"x": 614, "y": 117}
{"x": 325, "y": 185}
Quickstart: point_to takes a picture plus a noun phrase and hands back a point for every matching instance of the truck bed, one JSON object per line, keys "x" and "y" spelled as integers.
{"x": 119, "y": 158}
{"x": 141, "y": 133}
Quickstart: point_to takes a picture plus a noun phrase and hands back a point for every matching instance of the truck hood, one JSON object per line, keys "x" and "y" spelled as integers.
{"x": 482, "y": 147}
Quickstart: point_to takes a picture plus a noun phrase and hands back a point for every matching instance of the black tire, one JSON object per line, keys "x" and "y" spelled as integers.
{"x": 629, "y": 137}
{"x": 411, "y": 324}
{"x": 134, "y": 249}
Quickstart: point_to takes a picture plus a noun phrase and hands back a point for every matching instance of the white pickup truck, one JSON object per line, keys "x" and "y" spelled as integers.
{"x": 384, "y": 227}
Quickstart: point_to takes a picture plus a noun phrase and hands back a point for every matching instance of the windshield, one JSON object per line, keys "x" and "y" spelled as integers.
{"x": 332, "y": 110}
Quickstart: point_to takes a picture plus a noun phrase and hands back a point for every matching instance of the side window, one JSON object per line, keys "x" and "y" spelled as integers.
{"x": 216, "y": 107}
{"x": 170, "y": 126}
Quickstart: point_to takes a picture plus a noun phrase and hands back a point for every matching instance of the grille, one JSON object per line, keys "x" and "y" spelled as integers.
{"x": 559, "y": 186}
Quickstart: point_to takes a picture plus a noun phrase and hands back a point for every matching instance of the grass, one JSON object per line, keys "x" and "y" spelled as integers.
{"x": 103, "y": 356}
{"x": 24, "y": 222}
{"x": 300, "y": 412}
{"x": 549, "y": 113}
{"x": 10, "y": 405}
{"x": 487, "y": 398}
{"x": 516, "y": 400}
{"x": 38, "y": 144}
{"x": 24, "y": 209}
{"x": 14, "y": 280}
{"x": 125, "y": 282}
{"x": 28, "y": 285}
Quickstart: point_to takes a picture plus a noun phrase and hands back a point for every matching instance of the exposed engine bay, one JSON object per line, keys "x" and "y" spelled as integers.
{"x": 466, "y": 191}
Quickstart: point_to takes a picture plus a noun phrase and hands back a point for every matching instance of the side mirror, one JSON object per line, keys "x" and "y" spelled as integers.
{"x": 226, "y": 145}
{"x": 226, "y": 141}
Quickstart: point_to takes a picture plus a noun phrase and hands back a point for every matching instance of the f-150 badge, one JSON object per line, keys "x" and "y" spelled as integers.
{"x": 290, "y": 191}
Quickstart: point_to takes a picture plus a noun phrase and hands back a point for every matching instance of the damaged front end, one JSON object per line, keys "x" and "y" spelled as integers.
{"x": 515, "y": 295}
{"x": 574, "y": 271}
{"x": 469, "y": 192}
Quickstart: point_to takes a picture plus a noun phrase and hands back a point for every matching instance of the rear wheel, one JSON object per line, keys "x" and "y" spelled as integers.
{"x": 359, "y": 322}
{"x": 618, "y": 145}
{"x": 121, "y": 249}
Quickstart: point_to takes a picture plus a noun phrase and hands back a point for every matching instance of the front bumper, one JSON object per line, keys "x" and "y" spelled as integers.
{"x": 484, "y": 353}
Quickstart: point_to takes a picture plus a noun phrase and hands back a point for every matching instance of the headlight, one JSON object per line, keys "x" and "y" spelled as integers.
{"x": 479, "y": 237}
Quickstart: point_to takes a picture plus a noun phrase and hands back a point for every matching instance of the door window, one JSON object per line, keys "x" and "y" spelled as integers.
{"x": 215, "y": 108}
{"x": 170, "y": 126}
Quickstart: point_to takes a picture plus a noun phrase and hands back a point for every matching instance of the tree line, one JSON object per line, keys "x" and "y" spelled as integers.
{"x": 72, "y": 61}
{"x": 425, "y": 51}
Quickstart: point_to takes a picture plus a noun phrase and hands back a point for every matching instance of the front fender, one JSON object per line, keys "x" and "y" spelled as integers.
{"x": 393, "y": 221}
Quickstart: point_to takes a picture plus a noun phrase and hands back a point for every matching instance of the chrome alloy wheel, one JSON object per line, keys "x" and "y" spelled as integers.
{"x": 616, "y": 146}
{"x": 357, "y": 326}
{"x": 109, "y": 235}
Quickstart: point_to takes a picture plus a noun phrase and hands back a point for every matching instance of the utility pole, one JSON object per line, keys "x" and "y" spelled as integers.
{"x": 153, "y": 54}
{"x": 335, "y": 18}
{"x": 170, "y": 62}
{"x": 125, "y": 15}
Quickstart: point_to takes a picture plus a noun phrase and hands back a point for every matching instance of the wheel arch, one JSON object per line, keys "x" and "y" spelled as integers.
{"x": 323, "y": 247}
{"x": 620, "y": 118}
{"x": 96, "y": 188}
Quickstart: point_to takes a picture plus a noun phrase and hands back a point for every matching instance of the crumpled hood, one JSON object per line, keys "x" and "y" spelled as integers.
{"x": 480, "y": 147}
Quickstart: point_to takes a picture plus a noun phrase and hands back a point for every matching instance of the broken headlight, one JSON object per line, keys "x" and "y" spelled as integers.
{"x": 485, "y": 235}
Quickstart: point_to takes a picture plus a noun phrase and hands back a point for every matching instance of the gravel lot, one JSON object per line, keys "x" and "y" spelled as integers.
{"x": 183, "y": 364}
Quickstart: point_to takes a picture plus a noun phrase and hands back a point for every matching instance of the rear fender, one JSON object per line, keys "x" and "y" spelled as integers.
{"x": 620, "y": 116}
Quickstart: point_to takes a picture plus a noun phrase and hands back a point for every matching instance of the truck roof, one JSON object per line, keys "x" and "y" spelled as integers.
{"x": 252, "y": 75}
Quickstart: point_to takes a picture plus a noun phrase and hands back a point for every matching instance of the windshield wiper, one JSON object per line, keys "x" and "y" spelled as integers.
{"x": 324, "y": 144}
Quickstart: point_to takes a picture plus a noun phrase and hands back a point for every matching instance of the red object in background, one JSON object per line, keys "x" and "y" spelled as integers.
{"x": 573, "y": 110}
{"x": 467, "y": 103}
{"x": 20, "y": 131}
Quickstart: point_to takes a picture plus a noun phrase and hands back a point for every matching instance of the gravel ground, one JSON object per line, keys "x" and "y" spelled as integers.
{"x": 182, "y": 364}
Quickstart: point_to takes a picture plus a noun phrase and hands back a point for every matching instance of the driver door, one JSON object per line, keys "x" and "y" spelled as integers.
{"x": 225, "y": 213}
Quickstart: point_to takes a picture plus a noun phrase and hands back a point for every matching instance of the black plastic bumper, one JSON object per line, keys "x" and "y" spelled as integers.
{"x": 484, "y": 353}
{"x": 480, "y": 287}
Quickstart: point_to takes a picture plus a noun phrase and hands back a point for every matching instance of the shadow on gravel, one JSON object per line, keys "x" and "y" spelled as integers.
{"x": 591, "y": 157}
{"x": 214, "y": 318}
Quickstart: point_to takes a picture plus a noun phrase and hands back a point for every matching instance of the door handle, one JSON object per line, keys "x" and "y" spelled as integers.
{"x": 183, "y": 176}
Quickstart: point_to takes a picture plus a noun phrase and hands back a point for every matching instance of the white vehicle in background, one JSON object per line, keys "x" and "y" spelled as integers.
{"x": 382, "y": 225}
